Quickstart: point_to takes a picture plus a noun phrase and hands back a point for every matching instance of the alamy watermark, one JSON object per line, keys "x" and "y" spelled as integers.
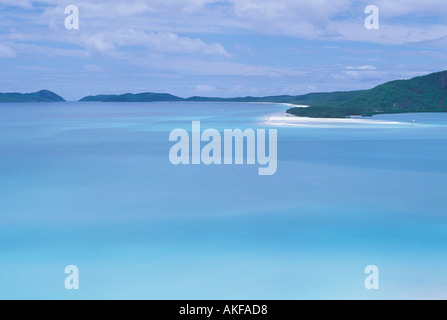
{"x": 372, "y": 21}
{"x": 72, "y": 280}
{"x": 372, "y": 280}
{"x": 72, "y": 20}
{"x": 188, "y": 149}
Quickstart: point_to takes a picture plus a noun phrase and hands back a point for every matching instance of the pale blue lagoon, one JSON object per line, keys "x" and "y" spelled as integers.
{"x": 91, "y": 185}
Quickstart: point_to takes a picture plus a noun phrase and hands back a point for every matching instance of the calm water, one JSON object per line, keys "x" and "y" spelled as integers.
{"x": 91, "y": 185}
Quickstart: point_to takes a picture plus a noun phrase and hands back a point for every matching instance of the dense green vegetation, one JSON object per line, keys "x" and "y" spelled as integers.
{"x": 41, "y": 96}
{"x": 129, "y": 97}
{"x": 312, "y": 98}
{"x": 420, "y": 94}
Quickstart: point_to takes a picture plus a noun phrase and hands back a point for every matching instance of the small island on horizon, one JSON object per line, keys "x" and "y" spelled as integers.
{"x": 421, "y": 94}
{"x": 40, "y": 96}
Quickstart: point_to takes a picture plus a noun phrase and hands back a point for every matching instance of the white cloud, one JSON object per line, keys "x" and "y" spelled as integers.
{"x": 362, "y": 68}
{"x": 18, "y": 3}
{"x": 242, "y": 89}
{"x": 160, "y": 24}
{"x": 161, "y": 42}
{"x": 7, "y": 52}
{"x": 218, "y": 68}
{"x": 399, "y": 8}
{"x": 366, "y": 72}
{"x": 291, "y": 17}
{"x": 205, "y": 88}
{"x": 391, "y": 34}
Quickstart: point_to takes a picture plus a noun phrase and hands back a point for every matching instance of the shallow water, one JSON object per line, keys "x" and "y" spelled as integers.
{"x": 91, "y": 185}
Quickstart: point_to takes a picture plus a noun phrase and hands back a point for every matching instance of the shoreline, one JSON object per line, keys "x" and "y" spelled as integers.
{"x": 283, "y": 103}
{"x": 284, "y": 119}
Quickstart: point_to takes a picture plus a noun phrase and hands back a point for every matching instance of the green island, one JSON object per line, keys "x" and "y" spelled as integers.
{"x": 40, "y": 96}
{"x": 129, "y": 97}
{"x": 160, "y": 97}
{"x": 421, "y": 94}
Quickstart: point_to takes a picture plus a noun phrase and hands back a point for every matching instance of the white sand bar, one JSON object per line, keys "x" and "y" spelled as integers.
{"x": 285, "y": 119}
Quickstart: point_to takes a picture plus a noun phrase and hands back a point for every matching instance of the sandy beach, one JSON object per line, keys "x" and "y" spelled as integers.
{"x": 285, "y": 119}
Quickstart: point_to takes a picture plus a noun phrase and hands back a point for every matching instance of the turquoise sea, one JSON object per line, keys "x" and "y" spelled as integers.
{"x": 91, "y": 185}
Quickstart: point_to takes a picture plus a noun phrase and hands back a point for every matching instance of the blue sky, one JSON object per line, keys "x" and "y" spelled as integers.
{"x": 217, "y": 47}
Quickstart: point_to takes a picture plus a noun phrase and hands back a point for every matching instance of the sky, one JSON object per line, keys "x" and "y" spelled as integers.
{"x": 220, "y": 48}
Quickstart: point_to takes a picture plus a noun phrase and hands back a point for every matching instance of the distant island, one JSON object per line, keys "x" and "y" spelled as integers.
{"x": 129, "y": 97}
{"x": 40, "y": 96}
{"x": 311, "y": 98}
{"x": 421, "y": 94}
